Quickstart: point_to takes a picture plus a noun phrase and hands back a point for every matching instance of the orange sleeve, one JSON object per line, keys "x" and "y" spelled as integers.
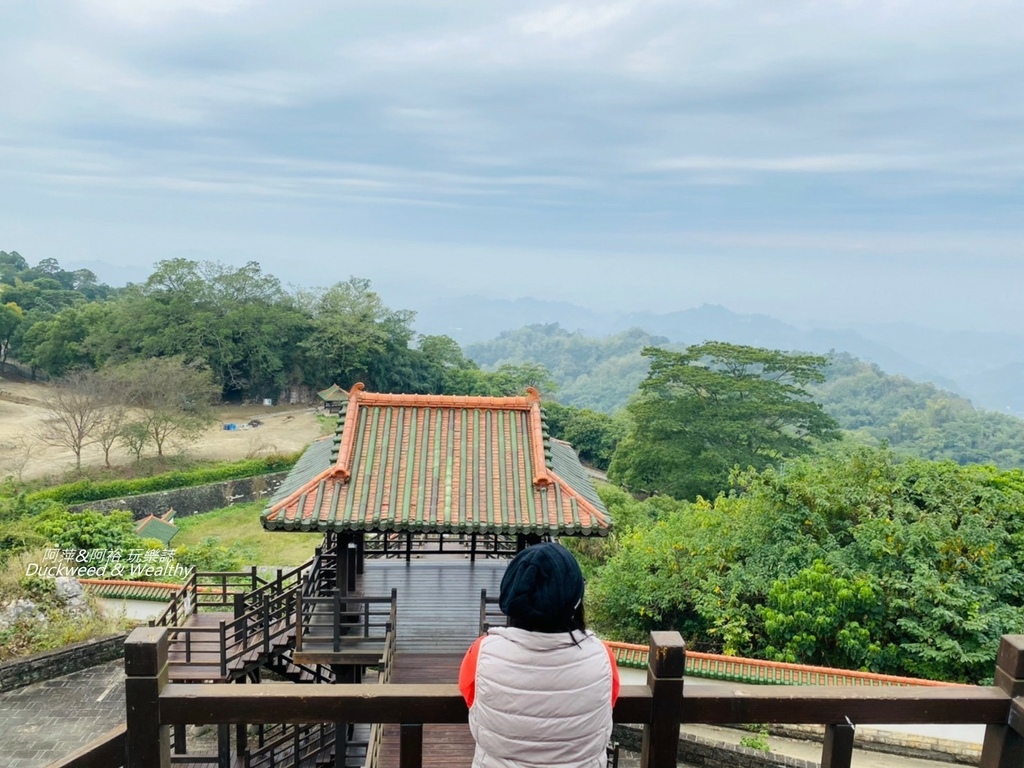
{"x": 467, "y": 672}
{"x": 615, "y": 674}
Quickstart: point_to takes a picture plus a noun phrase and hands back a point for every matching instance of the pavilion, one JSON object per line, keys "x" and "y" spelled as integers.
{"x": 417, "y": 468}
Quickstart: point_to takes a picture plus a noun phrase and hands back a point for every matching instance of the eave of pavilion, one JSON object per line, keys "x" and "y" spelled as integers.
{"x": 440, "y": 463}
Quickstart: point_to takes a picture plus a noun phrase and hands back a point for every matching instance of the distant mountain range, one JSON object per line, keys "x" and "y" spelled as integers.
{"x": 985, "y": 367}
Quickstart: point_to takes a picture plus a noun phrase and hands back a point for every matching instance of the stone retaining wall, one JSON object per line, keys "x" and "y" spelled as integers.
{"x": 194, "y": 500}
{"x": 696, "y": 751}
{"x": 64, "y": 661}
{"x": 893, "y": 743}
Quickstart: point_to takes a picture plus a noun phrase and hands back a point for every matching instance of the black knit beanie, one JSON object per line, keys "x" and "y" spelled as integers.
{"x": 542, "y": 586}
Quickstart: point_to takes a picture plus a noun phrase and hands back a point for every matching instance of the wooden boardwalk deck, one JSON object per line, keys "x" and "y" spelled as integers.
{"x": 444, "y": 745}
{"x": 438, "y": 619}
{"x": 438, "y": 599}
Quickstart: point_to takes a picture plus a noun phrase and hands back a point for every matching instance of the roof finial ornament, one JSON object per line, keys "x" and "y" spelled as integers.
{"x": 532, "y": 395}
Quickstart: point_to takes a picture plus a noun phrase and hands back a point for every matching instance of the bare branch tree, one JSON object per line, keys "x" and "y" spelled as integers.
{"x": 175, "y": 397}
{"x": 74, "y": 413}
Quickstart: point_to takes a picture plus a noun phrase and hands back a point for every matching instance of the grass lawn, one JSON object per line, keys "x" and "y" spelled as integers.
{"x": 241, "y": 523}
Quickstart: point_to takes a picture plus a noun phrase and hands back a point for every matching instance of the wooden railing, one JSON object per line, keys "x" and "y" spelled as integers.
{"x": 231, "y": 645}
{"x": 660, "y": 706}
{"x": 344, "y": 617}
{"x": 290, "y": 745}
{"x": 407, "y": 544}
{"x": 490, "y": 613}
{"x": 377, "y": 729}
{"x": 210, "y": 590}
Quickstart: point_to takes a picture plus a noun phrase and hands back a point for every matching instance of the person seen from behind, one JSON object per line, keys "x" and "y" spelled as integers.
{"x": 541, "y": 690}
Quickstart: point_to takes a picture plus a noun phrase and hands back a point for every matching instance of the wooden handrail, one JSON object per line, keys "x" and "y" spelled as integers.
{"x": 153, "y": 704}
{"x": 442, "y": 703}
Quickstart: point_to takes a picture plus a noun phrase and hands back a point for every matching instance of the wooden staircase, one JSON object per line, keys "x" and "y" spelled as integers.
{"x": 227, "y": 627}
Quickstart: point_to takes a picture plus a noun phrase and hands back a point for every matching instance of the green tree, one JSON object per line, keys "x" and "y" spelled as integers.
{"x": 238, "y": 322}
{"x": 59, "y": 344}
{"x": 11, "y": 316}
{"x": 512, "y": 379}
{"x": 849, "y": 558}
{"x": 702, "y": 412}
{"x": 820, "y": 617}
{"x": 593, "y": 435}
{"x": 352, "y": 334}
{"x": 88, "y": 529}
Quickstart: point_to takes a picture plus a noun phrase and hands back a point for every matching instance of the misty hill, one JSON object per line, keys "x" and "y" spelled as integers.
{"x": 987, "y": 368}
{"x": 916, "y": 418}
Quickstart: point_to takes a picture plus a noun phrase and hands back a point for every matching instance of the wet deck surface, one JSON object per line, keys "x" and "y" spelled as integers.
{"x": 438, "y": 599}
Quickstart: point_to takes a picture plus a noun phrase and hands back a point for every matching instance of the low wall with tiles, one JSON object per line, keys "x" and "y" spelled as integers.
{"x": 194, "y": 500}
{"x": 64, "y": 661}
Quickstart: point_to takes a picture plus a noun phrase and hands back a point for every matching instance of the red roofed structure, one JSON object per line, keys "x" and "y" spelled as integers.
{"x": 440, "y": 464}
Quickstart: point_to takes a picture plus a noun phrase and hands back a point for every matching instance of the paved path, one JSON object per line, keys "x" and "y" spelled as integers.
{"x": 43, "y": 722}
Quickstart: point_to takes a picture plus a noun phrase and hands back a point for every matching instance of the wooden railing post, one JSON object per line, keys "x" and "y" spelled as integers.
{"x": 241, "y": 627}
{"x": 410, "y": 746}
{"x": 298, "y": 614}
{"x": 222, "y": 643}
{"x": 1004, "y": 746}
{"x": 145, "y": 665}
{"x": 837, "y": 751}
{"x": 666, "y": 662}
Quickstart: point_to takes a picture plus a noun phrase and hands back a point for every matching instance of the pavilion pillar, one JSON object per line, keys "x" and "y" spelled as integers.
{"x": 343, "y": 556}
{"x": 352, "y": 563}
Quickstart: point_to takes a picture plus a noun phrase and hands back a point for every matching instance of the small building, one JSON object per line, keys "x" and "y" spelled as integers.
{"x": 333, "y": 398}
{"x": 162, "y": 528}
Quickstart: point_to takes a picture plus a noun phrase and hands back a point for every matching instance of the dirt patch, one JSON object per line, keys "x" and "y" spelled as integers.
{"x": 283, "y": 429}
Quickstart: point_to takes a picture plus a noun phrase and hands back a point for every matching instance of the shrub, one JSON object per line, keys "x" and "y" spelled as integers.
{"x": 84, "y": 491}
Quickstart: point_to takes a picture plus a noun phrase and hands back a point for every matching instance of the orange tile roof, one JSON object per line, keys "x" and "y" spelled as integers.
{"x": 440, "y": 462}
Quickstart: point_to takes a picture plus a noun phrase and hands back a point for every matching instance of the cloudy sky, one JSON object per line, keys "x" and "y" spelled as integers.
{"x": 832, "y": 160}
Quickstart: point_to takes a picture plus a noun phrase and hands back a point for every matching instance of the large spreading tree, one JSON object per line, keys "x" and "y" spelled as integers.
{"x": 713, "y": 407}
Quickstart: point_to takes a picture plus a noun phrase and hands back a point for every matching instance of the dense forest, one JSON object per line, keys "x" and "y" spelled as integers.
{"x": 773, "y": 504}
{"x": 849, "y": 558}
{"x": 256, "y": 339}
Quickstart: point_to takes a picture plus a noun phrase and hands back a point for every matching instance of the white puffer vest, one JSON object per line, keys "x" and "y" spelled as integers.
{"x": 541, "y": 701}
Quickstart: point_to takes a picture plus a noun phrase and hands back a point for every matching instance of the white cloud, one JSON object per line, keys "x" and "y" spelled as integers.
{"x": 566, "y": 21}
{"x": 796, "y": 164}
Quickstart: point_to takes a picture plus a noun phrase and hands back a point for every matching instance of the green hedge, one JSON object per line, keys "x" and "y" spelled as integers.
{"x": 85, "y": 491}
